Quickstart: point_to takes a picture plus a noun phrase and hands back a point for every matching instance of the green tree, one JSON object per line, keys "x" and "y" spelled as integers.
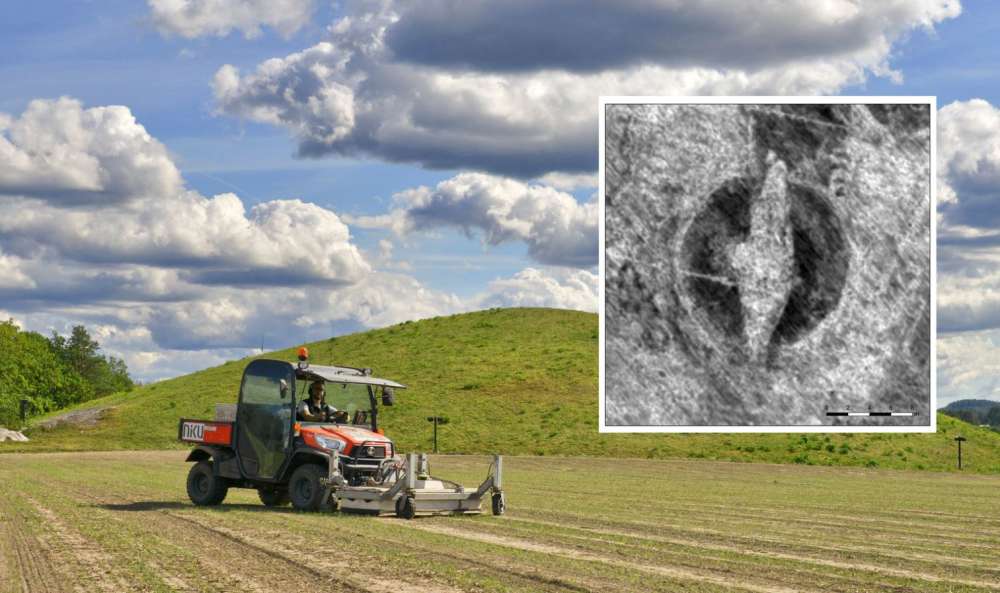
{"x": 82, "y": 353}
{"x": 993, "y": 416}
{"x": 31, "y": 370}
{"x": 52, "y": 373}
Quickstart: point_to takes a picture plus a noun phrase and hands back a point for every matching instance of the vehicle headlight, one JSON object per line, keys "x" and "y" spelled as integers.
{"x": 330, "y": 444}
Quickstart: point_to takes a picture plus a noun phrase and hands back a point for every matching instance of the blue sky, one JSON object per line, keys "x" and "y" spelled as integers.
{"x": 450, "y": 156}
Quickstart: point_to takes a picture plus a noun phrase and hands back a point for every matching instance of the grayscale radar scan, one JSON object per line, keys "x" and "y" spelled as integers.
{"x": 767, "y": 265}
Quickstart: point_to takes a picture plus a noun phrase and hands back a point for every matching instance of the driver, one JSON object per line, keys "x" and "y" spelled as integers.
{"x": 315, "y": 409}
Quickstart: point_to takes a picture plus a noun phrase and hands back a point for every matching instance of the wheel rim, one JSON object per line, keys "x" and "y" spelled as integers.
{"x": 201, "y": 484}
{"x": 304, "y": 490}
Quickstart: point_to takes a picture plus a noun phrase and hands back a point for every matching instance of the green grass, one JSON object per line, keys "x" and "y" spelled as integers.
{"x": 93, "y": 521}
{"x": 515, "y": 381}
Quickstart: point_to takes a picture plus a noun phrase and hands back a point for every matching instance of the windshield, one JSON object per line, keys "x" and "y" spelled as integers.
{"x": 350, "y": 398}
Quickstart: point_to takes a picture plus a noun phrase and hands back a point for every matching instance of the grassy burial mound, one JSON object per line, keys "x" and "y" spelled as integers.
{"x": 515, "y": 381}
{"x": 521, "y": 380}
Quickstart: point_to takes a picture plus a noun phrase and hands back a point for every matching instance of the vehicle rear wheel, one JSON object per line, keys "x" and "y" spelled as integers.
{"x": 305, "y": 489}
{"x": 273, "y": 497}
{"x": 204, "y": 487}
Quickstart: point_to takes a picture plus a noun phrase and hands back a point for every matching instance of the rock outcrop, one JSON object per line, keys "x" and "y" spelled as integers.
{"x": 11, "y": 435}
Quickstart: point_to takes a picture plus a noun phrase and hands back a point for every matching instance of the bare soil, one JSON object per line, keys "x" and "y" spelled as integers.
{"x": 80, "y": 418}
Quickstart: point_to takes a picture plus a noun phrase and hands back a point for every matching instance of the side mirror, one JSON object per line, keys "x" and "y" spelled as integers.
{"x": 283, "y": 388}
{"x": 388, "y": 397}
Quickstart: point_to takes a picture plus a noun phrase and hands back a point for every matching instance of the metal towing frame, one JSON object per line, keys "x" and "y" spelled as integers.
{"x": 411, "y": 491}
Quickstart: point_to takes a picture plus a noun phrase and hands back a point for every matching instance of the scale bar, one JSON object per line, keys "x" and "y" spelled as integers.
{"x": 870, "y": 414}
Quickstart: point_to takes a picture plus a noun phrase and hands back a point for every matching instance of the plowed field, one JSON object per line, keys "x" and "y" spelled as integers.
{"x": 121, "y": 522}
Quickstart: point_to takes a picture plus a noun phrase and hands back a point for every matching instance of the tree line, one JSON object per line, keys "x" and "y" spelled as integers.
{"x": 985, "y": 415}
{"x": 54, "y": 372}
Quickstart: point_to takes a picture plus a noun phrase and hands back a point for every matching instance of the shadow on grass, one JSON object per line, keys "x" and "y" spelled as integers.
{"x": 166, "y": 505}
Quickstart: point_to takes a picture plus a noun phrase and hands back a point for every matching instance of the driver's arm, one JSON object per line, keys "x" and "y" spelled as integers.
{"x": 302, "y": 412}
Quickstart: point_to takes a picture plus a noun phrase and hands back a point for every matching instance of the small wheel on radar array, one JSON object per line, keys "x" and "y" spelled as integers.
{"x": 406, "y": 507}
{"x": 499, "y": 503}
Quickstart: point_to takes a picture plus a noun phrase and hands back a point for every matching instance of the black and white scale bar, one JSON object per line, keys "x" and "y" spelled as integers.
{"x": 870, "y": 414}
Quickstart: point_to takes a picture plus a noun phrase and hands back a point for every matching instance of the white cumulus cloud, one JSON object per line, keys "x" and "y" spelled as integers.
{"x": 70, "y": 155}
{"x": 422, "y": 82}
{"x": 968, "y": 366}
{"x": 197, "y": 18}
{"x": 969, "y": 161}
{"x": 556, "y": 288}
{"x": 968, "y": 240}
{"x": 91, "y": 185}
{"x": 968, "y": 287}
{"x": 557, "y": 229}
{"x": 11, "y": 274}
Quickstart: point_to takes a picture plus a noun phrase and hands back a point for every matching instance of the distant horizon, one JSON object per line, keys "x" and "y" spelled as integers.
{"x": 962, "y": 399}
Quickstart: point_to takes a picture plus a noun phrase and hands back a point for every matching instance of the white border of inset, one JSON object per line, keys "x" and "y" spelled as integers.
{"x": 604, "y": 101}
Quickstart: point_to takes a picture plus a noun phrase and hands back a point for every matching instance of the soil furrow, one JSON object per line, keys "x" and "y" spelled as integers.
{"x": 640, "y": 530}
{"x": 225, "y": 559}
{"x": 804, "y": 533}
{"x": 373, "y": 583}
{"x": 96, "y": 567}
{"x": 165, "y": 524}
{"x": 865, "y": 516}
{"x": 32, "y": 560}
{"x": 861, "y": 528}
{"x": 570, "y": 553}
{"x": 907, "y": 574}
{"x": 786, "y": 571}
{"x": 296, "y": 564}
{"x": 389, "y": 586}
{"x": 7, "y": 578}
{"x": 664, "y": 527}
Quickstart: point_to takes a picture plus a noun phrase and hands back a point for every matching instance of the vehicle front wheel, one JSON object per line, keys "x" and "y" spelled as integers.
{"x": 305, "y": 489}
{"x": 273, "y": 498}
{"x": 204, "y": 487}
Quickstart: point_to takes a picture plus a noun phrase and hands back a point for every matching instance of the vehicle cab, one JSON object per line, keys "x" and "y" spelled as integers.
{"x": 271, "y": 441}
{"x": 353, "y": 434}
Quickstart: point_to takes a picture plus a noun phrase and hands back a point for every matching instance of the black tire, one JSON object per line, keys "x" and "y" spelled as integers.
{"x": 305, "y": 489}
{"x": 273, "y": 497}
{"x": 405, "y": 507}
{"x": 499, "y": 503}
{"x": 204, "y": 487}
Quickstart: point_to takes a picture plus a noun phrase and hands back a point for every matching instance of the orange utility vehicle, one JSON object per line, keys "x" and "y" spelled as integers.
{"x": 344, "y": 462}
